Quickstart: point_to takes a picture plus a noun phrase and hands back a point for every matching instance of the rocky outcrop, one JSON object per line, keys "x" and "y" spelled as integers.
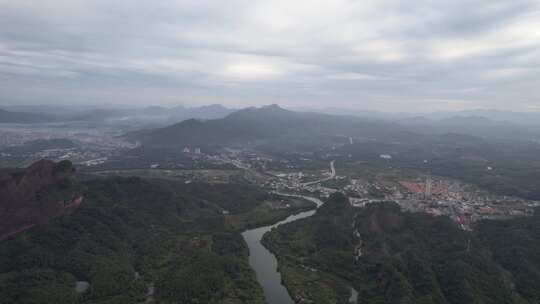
{"x": 32, "y": 196}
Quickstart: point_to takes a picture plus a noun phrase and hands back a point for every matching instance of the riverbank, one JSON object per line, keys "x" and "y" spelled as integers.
{"x": 267, "y": 215}
{"x": 298, "y": 255}
{"x": 265, "y": 264}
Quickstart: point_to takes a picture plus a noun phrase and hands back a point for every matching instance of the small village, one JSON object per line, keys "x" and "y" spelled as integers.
{"x": 438, "y": 196}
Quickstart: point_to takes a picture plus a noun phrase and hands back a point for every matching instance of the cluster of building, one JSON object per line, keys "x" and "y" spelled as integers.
{"x": 80, "y": 156}
{"x": 240, "y": 158}
{"x": 16, "y": 136}
{"x": 90, "y": 148}
{"x": 463, "y": 203}
{"x": 190, "y": 150}
{"x": 438, "y": 196}
{"x": 300, "y": 182}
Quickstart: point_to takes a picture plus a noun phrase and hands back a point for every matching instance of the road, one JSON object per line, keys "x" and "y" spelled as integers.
{"x": 332, "y": 175}
{"x": 317, "y": 201}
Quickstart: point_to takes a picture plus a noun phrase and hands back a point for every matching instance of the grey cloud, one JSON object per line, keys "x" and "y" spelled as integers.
{"x": 386, "y": 55}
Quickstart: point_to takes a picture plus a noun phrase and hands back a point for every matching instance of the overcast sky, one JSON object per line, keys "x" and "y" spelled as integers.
{"x": 384, "y": 55}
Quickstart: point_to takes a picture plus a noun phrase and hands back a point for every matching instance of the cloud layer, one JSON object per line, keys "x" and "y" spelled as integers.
{"x": 385, "y": 55}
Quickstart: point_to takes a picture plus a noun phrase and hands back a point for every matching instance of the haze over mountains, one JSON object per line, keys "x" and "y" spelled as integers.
{"x": 531, "y": 118}
{"x": 218, "y": 109}
{"x": 275, "y": 123}
{"x": 154, "y": 172}
{"x": 155, "y": 114}
{"x": 217, "y": 124}
{"x": 24, "y": 117}
{"x": 267, "y": 123}
{"x": 270, "y": 152}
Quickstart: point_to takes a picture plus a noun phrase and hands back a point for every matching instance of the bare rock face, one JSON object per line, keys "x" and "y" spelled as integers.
{"x": 32, "y": 196}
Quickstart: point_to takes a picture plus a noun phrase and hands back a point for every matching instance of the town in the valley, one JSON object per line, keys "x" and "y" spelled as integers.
{"x": 322, "y": 174}
{"x": 413, "y": 190}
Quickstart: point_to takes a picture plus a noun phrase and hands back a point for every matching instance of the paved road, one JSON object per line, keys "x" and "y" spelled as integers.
{"x": 332, "y": 175}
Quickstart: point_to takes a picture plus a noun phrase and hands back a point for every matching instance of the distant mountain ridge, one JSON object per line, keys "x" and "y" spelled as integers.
{"x": 42, "y": 114}
{"x": 272, "y": 122}
{"x": 524, "y": 118}
{"x": 23, "y": 117}
{"x": 265, "y": 124}
{"x": 479, "y": 126}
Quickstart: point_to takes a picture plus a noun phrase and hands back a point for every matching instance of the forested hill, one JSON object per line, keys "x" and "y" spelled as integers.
{"x": 390, "y": 256}
{"x": 135, "y": 240}
{"x": 266, "y": 124}
{"x": 516, "y": 247}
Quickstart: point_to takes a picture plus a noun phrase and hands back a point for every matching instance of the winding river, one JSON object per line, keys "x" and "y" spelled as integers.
{"x": 264, "y": 263}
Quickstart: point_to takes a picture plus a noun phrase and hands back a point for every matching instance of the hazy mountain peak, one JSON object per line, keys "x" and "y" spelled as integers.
{"x": 273, "y": 106}
{"x": 216, "y": 106}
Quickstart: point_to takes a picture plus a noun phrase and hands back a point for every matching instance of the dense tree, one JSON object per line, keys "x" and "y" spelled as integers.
{"x": 129, "y": 235}
{"x": 412, "y": 257}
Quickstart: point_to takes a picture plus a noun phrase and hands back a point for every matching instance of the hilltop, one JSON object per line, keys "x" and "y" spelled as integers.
{"x": 36, "y": 194}
{"x": 392, "y": 256}
{"x": 268, "y": 123}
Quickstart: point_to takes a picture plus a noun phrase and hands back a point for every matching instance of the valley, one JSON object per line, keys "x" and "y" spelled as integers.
{"x": 269, "y": 152}
{"x": 233, "y": 220}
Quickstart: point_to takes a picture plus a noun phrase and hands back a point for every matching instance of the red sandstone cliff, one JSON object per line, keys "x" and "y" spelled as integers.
{"x": 34, "y": 195}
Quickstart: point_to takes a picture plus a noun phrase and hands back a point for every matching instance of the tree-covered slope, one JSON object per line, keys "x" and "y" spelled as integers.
{"x": 269, "y": 123}
{"x": 516, "y": 247}
{"x": 134, "y": 240}
{"x": 391, "y": 256}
